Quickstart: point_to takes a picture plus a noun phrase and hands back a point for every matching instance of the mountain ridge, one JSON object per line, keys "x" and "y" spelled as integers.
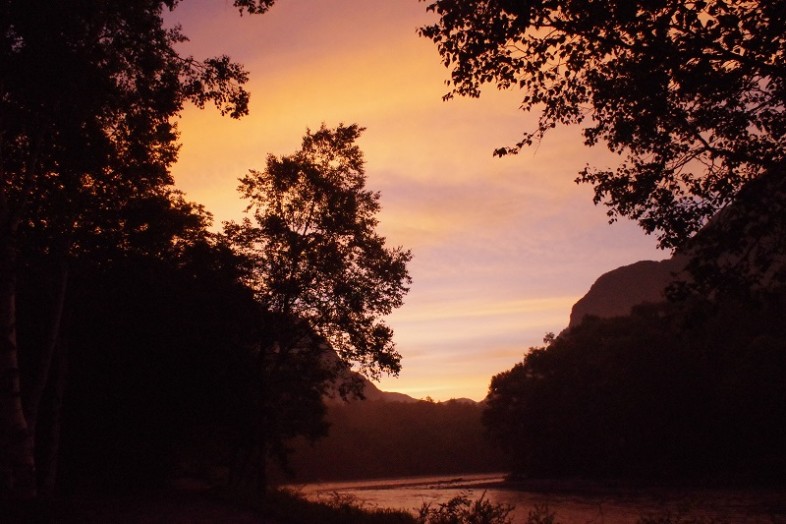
{"x": 616, "y": 292}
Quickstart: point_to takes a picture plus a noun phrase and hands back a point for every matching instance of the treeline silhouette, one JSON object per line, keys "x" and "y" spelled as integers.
{"x": 160, "y": 349}
{"x": 126, "y": 325}
{"x": 157, "y": 348}
{"x": 375, "y": 439}
{"x": 162, "y": 382}
{"x": 690, "y": 391}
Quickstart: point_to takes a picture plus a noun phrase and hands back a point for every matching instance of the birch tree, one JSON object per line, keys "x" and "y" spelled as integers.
{"x": 319, "y": 266}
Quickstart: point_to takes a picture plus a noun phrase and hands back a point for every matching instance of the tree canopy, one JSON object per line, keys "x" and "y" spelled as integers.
{"x": 672, "y": 392}
{"x": 88, "y": 94}
{"x": 325, "y": 279}
{"x": 691, "y": 95}
{"x": 315, "y": 251}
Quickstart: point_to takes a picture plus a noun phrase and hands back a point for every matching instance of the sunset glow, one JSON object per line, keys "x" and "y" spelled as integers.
{"x": 502, "y": 247}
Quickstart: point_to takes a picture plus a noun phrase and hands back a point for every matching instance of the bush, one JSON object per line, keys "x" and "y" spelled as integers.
{"x": 290, "y": 508}
{"x": 461, "y": 510}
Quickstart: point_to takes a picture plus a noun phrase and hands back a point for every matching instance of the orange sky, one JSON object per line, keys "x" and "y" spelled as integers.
{"x": 502, "y": 247}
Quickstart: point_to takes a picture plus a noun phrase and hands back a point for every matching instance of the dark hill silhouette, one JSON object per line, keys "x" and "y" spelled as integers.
{"x": 373, "y": 393}
{"x": 354, "y": 381}
{"x": 378, "y": 439}
{"x": 615, "y": 293}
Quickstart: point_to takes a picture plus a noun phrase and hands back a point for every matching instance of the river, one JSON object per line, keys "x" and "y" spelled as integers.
{"x": 571, "y": 506}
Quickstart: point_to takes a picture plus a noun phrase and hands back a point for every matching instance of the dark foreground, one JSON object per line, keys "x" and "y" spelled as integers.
{"x": 556, "y": 502}
{"x": 193, "y": 506}
{"x": 570, "y": 501}
{"x": 164, "y": 507}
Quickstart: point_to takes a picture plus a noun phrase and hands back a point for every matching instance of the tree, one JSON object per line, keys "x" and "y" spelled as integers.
{"x": 685, "y": 390}
{"x": 162, "y": 227}
{"x": 319, "y": 265}
{"x": 461, "y": 508}
{"x": 316, "y": 254}
{"x": 690, "y": 94}
{"x": 87, "y": 94}
{"x": 159, "y": 358}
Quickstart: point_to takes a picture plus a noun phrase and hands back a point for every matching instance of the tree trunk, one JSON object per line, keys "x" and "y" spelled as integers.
{"x": 49, "y": 455}
{"x": 17, "y": 457}
{"x": 35, "y": 392}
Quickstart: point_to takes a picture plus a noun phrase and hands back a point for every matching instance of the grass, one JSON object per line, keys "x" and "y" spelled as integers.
{"x": 288, "y": 507}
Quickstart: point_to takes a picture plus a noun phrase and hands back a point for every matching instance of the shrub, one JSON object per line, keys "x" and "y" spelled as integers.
{"x": 462, "y": 510}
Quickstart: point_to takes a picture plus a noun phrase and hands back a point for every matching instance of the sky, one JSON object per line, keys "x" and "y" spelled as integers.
{"x": 502, "y": 247}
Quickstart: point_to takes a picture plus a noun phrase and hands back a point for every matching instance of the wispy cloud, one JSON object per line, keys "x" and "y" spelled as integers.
{"x": 502, "y": 247}
{"x": 469, "y": 308}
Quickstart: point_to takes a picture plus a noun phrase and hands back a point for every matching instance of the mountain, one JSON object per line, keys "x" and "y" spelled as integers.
{"x": 346, "y": 376}
{"x": 616, "y": 292}
{"x": 372, "y": 392}
{"x": 740, "y": 247}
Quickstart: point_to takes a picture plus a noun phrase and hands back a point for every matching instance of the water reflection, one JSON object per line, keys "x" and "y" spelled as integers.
{"x": 606, "y": 506}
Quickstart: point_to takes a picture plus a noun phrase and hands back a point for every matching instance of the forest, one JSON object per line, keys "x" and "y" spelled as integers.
{"x": 139, "y": 342}
{"x": 378, "y": 439}
{"x": 686, "y": 393}
{"x": 132, "y": 332}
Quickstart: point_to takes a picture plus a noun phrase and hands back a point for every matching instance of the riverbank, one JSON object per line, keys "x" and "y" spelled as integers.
{"x": 574, "y": 501}
{"x": 394, "y": 501}
{"x": 178, "y": 505}
{"x": 166, "y": 506}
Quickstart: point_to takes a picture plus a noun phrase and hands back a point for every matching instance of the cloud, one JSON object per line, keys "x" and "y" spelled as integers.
{"x": 465, "y": 341}
{"x": 469, "y": 308}
{"x": 502, "y": 247}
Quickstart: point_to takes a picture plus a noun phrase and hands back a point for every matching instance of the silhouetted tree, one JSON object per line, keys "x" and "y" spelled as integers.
{"x": 160, "y": 359}
{"x": 163, "y": 227}
{"x": 87, "y": 94}
{"x": 319, "y": 265}
{"x": 690, "y": 94}
{"x": 687, "y": 391}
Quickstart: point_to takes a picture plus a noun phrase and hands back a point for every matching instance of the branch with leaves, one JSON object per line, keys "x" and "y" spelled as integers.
{"x": 692, "y": 95}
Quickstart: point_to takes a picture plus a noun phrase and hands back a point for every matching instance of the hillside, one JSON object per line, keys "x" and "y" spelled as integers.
{"x": 377, "y": 439}
{"x": 615, "y": 293}
{"x": 373, "y": 393}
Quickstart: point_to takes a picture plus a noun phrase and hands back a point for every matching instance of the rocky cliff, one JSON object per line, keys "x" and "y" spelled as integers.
{"x": 616, "y": 292}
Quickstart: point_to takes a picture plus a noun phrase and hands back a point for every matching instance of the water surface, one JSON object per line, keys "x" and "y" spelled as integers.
{"x": 574, "y": 506}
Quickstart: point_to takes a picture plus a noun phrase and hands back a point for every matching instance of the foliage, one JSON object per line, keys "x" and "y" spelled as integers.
{"x": 463, "y": 510}
{"x": 159, "y": 366}
{"x": 690, "y": 94}
{"x": 671, "y": 392}
{"x": 86, "y": 113}
{"x": 315, "y": 252}
{"x": 88, "y": 94}
{"x": 541, "y": 514}
{"x": 324, "y": 277}
{"x": 87, "y": 98}
{"x": 289, "y": 508}
{"x": 253, "y": 6}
